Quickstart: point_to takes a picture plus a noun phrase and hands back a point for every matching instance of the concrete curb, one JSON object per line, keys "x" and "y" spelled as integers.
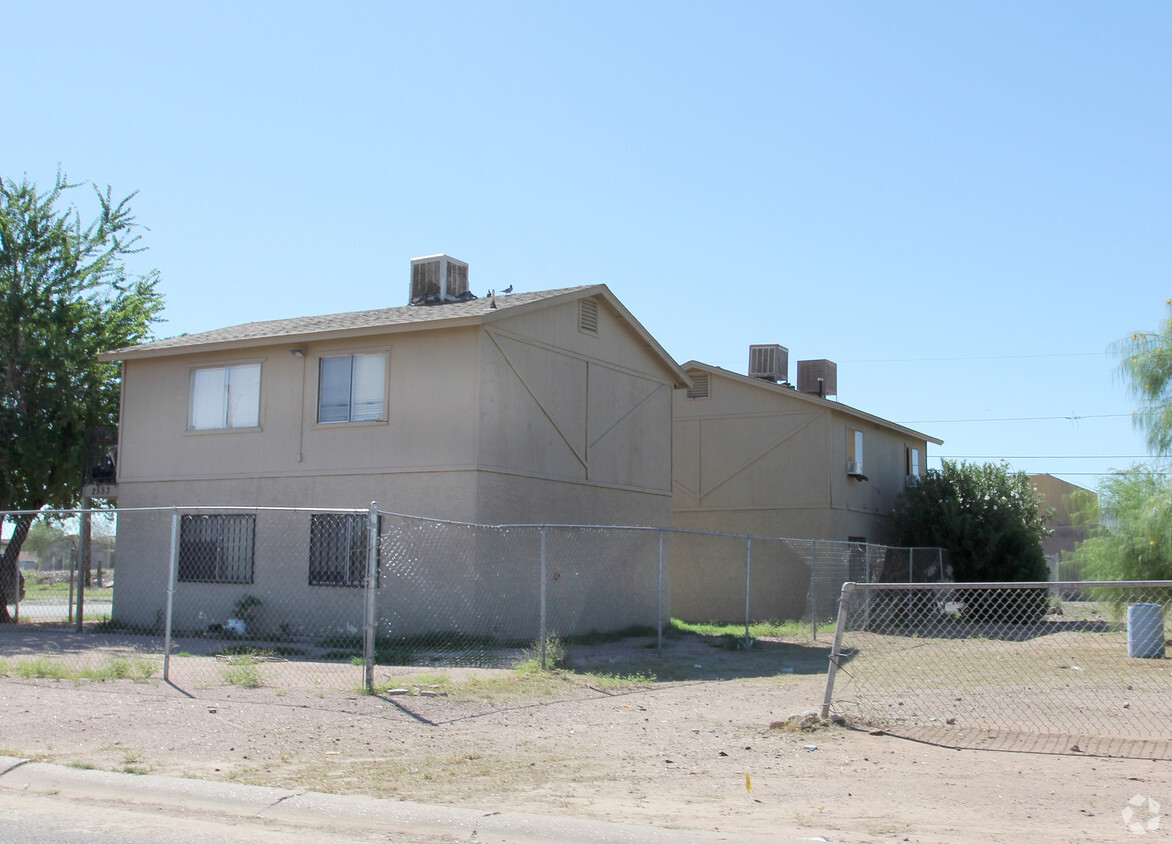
{"x": 309, "y": 809}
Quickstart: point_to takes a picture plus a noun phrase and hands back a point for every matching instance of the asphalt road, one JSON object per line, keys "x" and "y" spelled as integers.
{"x": 52, "y": 803}
{"x": 57, "y": 609}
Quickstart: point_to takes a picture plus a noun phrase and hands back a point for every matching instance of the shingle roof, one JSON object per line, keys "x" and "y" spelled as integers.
{"x": 791, "y": 394}
{"x": 357, "y": 322}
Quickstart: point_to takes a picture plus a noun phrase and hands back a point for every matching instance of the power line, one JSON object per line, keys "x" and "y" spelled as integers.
{"x": 979, "y": 357}
{"x": 1018, "y": 419}
{"x": 1044, "y": 456}
{"x": 734, "y": 367}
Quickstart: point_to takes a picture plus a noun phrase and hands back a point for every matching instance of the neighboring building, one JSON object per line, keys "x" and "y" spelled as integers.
{"x": 538, "y": 407}
{"x": 1064, "y": 534}
{"x": 754, "y": 455}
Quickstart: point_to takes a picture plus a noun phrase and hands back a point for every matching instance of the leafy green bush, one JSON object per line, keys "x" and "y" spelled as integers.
{"x": 988, "y": 519}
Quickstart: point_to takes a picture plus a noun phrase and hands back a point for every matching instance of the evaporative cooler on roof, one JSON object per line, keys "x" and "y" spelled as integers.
{"x": 818, "y": 377}
{"x": 769, "y": 362}
{"x": 436, "y": 279}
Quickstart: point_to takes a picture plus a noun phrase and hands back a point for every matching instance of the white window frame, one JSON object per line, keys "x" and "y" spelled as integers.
{"x": 232, "y": 403}
{"x": 370, "y": 408}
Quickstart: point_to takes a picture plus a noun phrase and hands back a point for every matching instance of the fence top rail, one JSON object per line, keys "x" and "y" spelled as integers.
{"x": 1033, "y": 584}
{"x": 650, "y": 528}
{"x": 191, "y": 508}
{"x": 240, "y": 508}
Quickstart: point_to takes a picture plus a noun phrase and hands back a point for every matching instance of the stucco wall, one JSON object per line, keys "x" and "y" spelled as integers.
{"x": 527, "y": 420}
{"x": 763, "y": 460}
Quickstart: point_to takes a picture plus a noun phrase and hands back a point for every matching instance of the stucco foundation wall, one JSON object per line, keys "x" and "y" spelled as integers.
{"x": 472, "y": 580}
{"x": 281, "y": 551}
{"x": 488, "y": 581}
{"x": 708, "y": 578}
{"x": 434, "y": 578}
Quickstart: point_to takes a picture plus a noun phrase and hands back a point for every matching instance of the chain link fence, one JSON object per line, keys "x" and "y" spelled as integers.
{"x": 961, "y": 663}
{"x": 331, "y": 598}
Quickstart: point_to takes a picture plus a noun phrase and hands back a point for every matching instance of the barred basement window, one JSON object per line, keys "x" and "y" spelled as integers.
{"x": 216, "y": 549}
{"x": 337, "y": 549}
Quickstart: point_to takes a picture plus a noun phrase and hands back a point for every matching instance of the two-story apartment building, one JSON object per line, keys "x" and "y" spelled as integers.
{"x": 755, "y": 455}
{"x": 525, "y": 408}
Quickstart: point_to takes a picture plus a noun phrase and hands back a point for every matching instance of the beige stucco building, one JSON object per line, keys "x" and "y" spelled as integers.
{"x": 544, "y": 407}
{"x": 1065, "y": 535}
{"x": 760, "y": 457}
{"x": 755, "y": 456}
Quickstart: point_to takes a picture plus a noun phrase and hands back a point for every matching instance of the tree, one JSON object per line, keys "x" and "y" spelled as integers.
{"x": 1132, "y": 537}
{"x": 65, "y": 295}
{"x": 1130, "y": 527}
{"x": 41, "y": 537}
{"x": 1146, "y": 365}
{"x": 988, "y": 520}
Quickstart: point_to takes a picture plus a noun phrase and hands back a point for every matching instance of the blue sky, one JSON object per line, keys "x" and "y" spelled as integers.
{"x": 963, "y": 205}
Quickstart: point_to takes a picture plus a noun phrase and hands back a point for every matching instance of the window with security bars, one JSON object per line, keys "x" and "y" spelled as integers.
{"x": 337, "y": 549}
{"x": 216, "y": 548}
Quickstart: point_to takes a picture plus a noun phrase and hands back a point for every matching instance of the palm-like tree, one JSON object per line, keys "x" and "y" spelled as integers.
{"x": 1146, "y": 365}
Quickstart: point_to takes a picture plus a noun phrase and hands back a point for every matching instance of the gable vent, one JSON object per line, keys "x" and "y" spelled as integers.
{"x": 699, "y": 388}
{"x": 436, "y": 279}
{"x": 588, "y": 315}
{"x": 770, "y": 363}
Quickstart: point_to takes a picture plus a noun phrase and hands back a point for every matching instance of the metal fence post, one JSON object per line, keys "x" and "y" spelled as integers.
{"x": 541, "y": 631}
{"x": 371, "y": 592}
{"x": 659, "y": 607}
{"x": 748, "y": 579}
{"x": 83, "y": 555}
{"x": 814, "y": 589}
{"x": 172, "y": 575}
{"x": 836, "y": 648}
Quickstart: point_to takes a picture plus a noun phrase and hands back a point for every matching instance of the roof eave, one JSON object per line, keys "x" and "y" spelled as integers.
{"x": 138, "y": 353}
{"x": 831, "y": 405}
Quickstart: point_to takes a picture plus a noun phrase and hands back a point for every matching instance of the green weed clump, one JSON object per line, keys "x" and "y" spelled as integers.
{"x": 555, "y": 656}
{"x": 40, "y": 668}
{"x": 138, "y": 669}
{"x": 771, "y": 629}
{"x": 243, "y": 671}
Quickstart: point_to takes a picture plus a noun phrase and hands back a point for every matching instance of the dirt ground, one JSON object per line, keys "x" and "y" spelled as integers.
{"x": 697, "y": 751}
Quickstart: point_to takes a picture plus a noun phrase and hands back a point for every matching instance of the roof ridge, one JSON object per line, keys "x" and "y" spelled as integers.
{"x": 275, "y": 329}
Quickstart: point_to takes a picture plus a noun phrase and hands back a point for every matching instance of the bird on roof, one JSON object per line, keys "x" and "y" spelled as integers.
{"x": 508, "y": 289}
